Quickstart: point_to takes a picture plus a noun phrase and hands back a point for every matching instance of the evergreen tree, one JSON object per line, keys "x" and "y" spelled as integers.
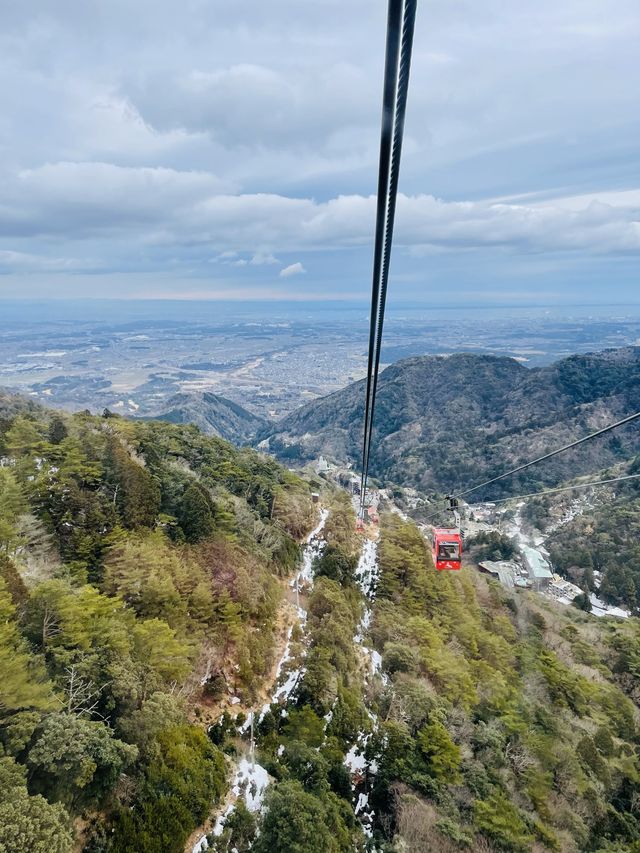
{"x": 26, "y": 822}
{"x": 583, "y": 602}
{"x": 197, "y": 513}
{"x": 294, "y": 823}
{"x": 442, "y": 754}
{"x": 135, "y": 492}
{"x": 74, "y": 760}
{"x": 15, "y": 585}
{"x": 23, "y": 685}
{"x": 588, "y": 579}
{"x": 12, "y": 504}
{"x": 57, "y": 430}
{"x": 23, "y": 437}
{"x": 228, "y": 619}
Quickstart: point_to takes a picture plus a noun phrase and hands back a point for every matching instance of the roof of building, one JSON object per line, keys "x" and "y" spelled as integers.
{"x": 536, "y": 564}
{"x": 504, "y": 570}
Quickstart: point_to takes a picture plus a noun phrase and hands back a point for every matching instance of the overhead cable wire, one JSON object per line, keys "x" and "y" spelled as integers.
{"x": 400, "y": 31}
{"x": 384, "y": 169}
{"x": 549, "y": 455}
{"x": 566, "y": 489}
{"x": 541, "y": 494}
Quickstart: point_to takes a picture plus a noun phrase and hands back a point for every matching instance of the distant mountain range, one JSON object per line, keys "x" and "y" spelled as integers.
{"x": 447, "y": 422}
{"x": 214, "y": 415}
{"x": 12, "y": 404}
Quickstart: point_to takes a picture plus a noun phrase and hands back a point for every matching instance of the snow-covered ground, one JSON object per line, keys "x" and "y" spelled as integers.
{"x": 315, "y": 544}
{"x": 249, "y": 783}
{"x": 360, "y": 767}
{"x": 251, "y": 779}
{"x": 560, "y": 590}
{"x": 289, "y": 685}
{"x": 367, "y": 571}
{"x": 599, "y": 608}
{"x": 288, "y": 679}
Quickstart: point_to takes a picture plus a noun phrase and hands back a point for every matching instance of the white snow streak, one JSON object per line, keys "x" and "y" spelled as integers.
{"x": 251, "y": 779}
{"x": 360, "y": 768}
{"x": 250, "y": 783}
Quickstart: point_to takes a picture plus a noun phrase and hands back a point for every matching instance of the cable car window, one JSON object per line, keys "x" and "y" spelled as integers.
{"x": 448, "y": 551}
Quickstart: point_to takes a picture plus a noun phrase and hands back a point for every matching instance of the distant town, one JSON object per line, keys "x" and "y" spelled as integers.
{"x": 268, "y": 362}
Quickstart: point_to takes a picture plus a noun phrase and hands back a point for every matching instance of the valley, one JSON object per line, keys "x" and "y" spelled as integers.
{"x": 132, "y": 357}
{"x": 336, "y": 695}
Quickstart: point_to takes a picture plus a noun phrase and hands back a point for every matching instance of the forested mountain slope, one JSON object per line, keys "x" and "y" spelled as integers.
{"x": 141, "y": 572}
{"x": 214, "y": 415}
{"x": 471, "y": 718}
{"x": 140, "y": 565}
{"x": 445, "y": 422}
{"x": 509, "y": 722}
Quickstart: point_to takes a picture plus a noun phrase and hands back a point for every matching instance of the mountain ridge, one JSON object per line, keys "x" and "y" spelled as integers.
{"x": 214, "y": 415}
{"x": 442, "y": 421}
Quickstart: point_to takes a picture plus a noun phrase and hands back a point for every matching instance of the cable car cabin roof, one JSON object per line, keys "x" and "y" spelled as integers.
{"x": 444, "y": 532}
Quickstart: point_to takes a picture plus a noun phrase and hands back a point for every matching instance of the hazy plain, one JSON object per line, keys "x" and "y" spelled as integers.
{"x": 269, "y": 357}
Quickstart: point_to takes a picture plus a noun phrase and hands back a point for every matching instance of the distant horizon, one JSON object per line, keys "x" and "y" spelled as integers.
{"x": 25, "y": 313}
{"x": 332, "y": 300}
{"x": 268, "y": 356}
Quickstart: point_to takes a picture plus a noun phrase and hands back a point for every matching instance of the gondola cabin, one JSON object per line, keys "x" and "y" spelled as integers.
{"x": 447, "y": 548}
{"x": 359, "y": 526}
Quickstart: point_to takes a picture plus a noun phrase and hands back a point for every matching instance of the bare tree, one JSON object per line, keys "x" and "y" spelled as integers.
{"x": 83, "y": 697}
{"x": 518, "y": 757}
{"x": 50, "y": 625}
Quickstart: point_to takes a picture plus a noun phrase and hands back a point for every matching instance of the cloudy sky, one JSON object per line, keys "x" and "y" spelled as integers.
{"x": 209, "y": 149}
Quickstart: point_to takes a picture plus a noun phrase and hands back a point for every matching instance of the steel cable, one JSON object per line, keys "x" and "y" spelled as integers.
{"x": 400, "y": 32}
{"x": 598, "y": 432}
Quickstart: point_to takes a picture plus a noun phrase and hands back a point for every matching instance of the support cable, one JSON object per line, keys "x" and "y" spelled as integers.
{"x": 547, "y": 492}
{"x": 598, "y": 432}
{"x": 566, "y": 489}
{"x": 400, "y": 31}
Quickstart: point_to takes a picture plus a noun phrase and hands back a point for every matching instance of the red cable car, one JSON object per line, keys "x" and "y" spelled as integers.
{"x": 447, "y": 548}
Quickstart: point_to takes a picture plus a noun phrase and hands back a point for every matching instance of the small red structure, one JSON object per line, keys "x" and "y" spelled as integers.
{"x": 447, "y": 548}
{"x": 359, "y": 526}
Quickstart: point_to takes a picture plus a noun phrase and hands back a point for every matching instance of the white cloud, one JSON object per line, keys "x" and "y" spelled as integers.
{"x": 261, "y": 259}
{"x": 16, "y": 262}
{"x": 157, "y": 207}
{"x": 292, "y": 269}
{"x": 252, "y": 128}
{"x": 257, "y": 259}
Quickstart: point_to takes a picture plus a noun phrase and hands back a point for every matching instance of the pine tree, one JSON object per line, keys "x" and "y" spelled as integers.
{"x": 294, "y": 823}
{"x": 23, "y": 685}
{"x": 57, "y": 430}
{"x": 197, "y": 513}
{"x": 30, "y": 823}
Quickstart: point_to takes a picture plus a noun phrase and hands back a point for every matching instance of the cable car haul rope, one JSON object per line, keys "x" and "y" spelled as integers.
{"x": 400, "y": 29}
{"x": 399, "y": 45}
{"x": 595, "y": 434}
{"x": 453, "y": 499}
